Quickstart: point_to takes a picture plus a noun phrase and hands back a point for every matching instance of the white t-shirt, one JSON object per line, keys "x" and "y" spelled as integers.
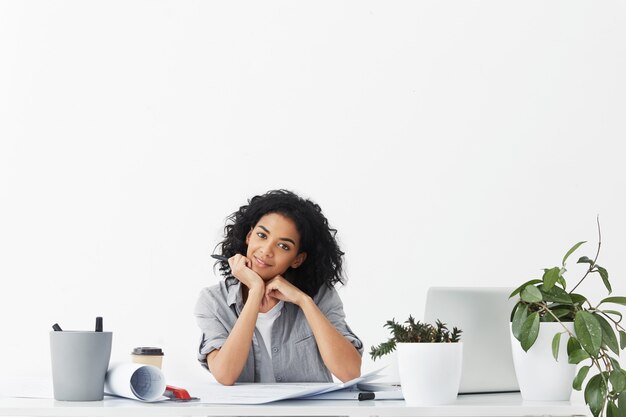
{"x": 264, "y": 323}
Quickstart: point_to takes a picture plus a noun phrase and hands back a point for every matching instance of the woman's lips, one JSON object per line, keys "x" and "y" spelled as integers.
{"x": 260, "y": 263}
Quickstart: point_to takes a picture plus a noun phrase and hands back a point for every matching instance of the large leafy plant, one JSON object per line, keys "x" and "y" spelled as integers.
{"x": 596, "y": 329}
{"x": 414, "y": 332}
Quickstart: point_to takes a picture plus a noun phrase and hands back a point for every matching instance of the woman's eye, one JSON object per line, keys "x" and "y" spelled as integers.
{"x": 283, "y": 246}
{"x": 261, "y": 235}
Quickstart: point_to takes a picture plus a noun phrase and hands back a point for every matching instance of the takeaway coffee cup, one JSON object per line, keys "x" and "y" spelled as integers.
{"x": 148, "y": 356}
{"x": 79, "y": 364}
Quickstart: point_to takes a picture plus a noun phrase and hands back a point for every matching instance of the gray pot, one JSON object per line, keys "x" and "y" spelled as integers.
{"x": 79, "y": 364}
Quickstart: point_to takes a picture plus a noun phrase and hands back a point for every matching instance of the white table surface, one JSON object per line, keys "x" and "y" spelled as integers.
{"x": 486, "y": 405}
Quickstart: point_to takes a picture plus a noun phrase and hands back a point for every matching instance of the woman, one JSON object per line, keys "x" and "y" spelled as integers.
{"x": 277, "y": 317}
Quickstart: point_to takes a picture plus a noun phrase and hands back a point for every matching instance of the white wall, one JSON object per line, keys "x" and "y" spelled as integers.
{"x": 451, "y": 143}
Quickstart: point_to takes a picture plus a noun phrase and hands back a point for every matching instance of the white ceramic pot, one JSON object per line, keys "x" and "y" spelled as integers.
{"x": 540, "y": 377}
{"x": 430, "y": 373}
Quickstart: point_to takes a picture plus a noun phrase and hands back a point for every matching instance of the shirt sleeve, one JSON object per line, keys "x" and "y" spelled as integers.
{"x": 214, "y": 332}
{"x": 329, "y": 303}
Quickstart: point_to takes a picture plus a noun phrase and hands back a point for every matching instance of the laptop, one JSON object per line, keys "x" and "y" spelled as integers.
{"x": 483, "y": 314}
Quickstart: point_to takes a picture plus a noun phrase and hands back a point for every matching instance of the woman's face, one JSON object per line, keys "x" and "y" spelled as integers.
{"x": 273, "y": 246}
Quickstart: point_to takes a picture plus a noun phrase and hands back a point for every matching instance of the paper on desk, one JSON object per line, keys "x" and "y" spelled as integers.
{"x": 370, "y": 376}
{"x": 258, "y": 393}
{"x": 135, "y": 381}
{"x": 381, "y": 392}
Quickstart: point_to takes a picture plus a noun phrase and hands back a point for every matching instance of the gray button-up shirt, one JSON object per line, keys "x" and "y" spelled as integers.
{"x": 295, "y": 356}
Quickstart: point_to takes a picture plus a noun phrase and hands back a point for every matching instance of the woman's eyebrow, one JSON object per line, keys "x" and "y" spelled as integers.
{"x": 281, "y": 238}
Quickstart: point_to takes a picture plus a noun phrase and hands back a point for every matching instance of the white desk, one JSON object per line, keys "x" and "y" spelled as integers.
{"x": 492, "y": 405}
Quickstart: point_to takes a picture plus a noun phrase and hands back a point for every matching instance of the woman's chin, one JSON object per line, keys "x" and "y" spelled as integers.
{"x": 265, "y": 276}
{"x": 265, "y": 273}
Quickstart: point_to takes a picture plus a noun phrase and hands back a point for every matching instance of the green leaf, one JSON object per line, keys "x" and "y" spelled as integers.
{"x": 611, "y": 410}
{"x": 618, "y": 380}
{"x": 614, "y": 300}
{"x": 531, "y": 294}
{"x": 521, "y": 287}
{"x": 621, "y": 403}
{"x": 622, "y": 339}
{"x": 595, "y": 394}
{"x": 556, "y": 340}
{"x": 562, "y": 312}
{"x": 573, "y": 345}
{"x": 614, "y": 312}
{"x": 561, "y": 281}
{"x": 578, "y": 299}
{"x": 580, "y": 377}
{"x": 521, "y": 312}
{"x": 547, "y": 318}
{"x": 569, "y": 252}
{"x": 615, "y": 363}
{"x": 577, "y": 356}
{"x": 589, "y": 332}
{"x": 555, "y": 295}
{"x": 529, "y": 331}
{"x": 605, "y": 278}
{"x": 550, "y": 277}
{"x": 608, "y": 335}
{"x": 585, "y": 260}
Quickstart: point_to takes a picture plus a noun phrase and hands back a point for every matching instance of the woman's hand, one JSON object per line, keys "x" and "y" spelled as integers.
{"x": 281, "y": 289}
{"x": 240, "y": 268}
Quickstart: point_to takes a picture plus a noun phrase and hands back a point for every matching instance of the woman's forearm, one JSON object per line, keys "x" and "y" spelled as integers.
{"x": 338, "y": 354}
{"x": 227, "y": 363}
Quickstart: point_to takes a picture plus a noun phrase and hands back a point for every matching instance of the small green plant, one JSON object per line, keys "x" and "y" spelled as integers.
{"x": 595, "y": 330}
{"x": 414, "y": 332}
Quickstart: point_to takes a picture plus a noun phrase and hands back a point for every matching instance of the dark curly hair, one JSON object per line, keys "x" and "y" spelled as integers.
{"x": 323, "y": 264}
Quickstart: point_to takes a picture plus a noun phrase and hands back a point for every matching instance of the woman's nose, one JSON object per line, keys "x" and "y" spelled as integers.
{"x": 268, "y": 249}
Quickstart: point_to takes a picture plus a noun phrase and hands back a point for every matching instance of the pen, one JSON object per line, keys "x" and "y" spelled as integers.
{"x": 57, "y": 328}
{"x": 220, "y": 257}
{"x": 98, "y": 324}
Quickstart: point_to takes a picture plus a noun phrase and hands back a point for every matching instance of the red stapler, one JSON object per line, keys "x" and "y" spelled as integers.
{"x": 178, "y": 394}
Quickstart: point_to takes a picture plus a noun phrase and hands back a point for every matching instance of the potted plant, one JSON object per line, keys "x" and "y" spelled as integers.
{"x": 591, "y": 332}
{"x": 429, "y": 360}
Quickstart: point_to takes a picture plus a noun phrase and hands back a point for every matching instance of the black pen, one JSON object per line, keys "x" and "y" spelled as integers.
{"x": 98, "y": 324}
{"x": 220, "y": 257}
{"x": 56, "y": 327}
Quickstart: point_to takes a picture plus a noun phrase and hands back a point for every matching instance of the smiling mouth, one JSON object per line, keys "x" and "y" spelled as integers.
{"x": 260, "y": 263}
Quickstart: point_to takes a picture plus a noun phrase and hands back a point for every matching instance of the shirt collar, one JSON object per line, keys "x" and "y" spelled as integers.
{"x": 273, "y": 313}
{"x": 233, "y": 288}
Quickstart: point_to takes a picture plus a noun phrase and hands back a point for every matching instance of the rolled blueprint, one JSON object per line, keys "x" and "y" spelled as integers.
{"x": 135, "y": 381}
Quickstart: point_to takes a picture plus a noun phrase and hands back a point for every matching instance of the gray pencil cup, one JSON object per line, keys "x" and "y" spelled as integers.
{"x": 79, "y": 364}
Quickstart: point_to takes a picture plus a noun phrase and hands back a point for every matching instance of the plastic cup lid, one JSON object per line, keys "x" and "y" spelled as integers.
{"x": 148, "y": 351}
